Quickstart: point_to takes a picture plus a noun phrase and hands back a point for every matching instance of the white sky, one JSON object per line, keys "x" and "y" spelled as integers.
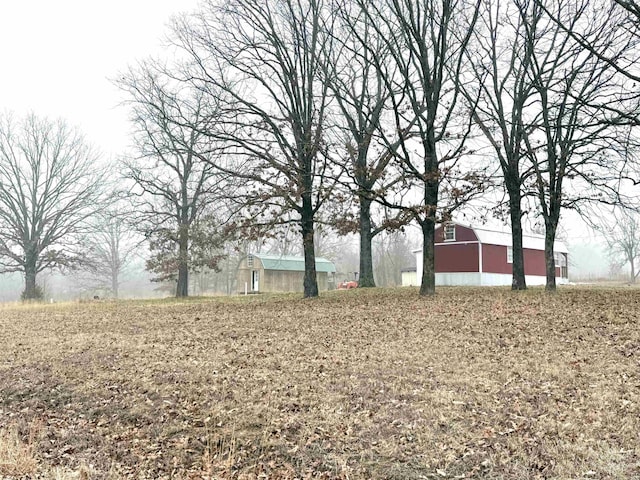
{"x": 57, "y": 56}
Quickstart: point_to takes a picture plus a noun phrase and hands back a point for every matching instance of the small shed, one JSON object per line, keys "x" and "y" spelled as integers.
{"x": 466, "y": 255}
{"x": 262, "y": 273}
{"x": 409, "y": 277}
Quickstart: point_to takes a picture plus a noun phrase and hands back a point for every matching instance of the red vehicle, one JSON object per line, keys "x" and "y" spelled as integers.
{"x": 347, "y": 285}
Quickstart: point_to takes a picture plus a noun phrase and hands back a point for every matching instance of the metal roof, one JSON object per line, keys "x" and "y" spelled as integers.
{"x": 292, "y": 264}
{"x": 502, "y": 237}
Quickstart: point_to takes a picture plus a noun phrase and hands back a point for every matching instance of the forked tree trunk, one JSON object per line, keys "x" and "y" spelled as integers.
{"x": 366, "y": 256}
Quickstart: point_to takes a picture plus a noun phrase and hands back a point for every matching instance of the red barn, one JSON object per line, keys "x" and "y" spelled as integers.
{"x": 479, "y": 256}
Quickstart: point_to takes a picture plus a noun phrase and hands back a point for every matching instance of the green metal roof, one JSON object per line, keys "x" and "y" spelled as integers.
{"x": 293, "y": 264}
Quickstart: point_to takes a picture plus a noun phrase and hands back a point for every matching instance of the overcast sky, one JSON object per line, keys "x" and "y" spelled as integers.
{"x": 57, "y": 57}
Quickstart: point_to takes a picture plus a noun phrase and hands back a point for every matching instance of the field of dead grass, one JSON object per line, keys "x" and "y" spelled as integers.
{"x": 475, "y": 383}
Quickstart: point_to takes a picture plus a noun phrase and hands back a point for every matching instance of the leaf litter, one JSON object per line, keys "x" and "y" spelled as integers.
{"x": 375, "y": 383}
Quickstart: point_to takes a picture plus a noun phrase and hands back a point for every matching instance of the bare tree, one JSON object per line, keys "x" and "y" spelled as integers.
{"x": 393, "y": 252}
{"x": 425, "y": 43}
{"x": 204, "y": 248}
{"x": 50, "y": 183}
{"x": 111, "y": 244}
{"x": 175, "y": 175}
{"x": 362, "y": 100}
{"x": 261, "y": 58}
{"x": 621, "y": 230}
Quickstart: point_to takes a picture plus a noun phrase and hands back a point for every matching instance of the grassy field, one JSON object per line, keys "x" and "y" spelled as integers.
{"x": 475, "y": 383}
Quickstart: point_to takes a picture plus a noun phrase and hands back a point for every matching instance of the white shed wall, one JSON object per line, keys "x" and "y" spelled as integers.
{"x": 409, "y": 279}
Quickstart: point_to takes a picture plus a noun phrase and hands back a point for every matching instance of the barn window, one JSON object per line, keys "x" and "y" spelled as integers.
{"x": 509, "y": 254}
{"x": 449, "y": 232}
{"x": 249, "y": 260}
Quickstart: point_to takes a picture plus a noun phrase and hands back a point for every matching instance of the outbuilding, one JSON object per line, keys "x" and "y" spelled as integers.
{"x": 466, "y": 255}
{"x": 409, "y": 278}
{"x": 262, "y": 273}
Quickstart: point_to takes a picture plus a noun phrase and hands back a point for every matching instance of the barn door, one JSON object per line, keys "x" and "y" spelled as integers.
{"x": 255, "y": 280}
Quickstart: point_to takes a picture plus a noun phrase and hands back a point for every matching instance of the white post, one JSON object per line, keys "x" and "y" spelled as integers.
{"x": 246, "y": 288}
{"x": 480, "y": 260}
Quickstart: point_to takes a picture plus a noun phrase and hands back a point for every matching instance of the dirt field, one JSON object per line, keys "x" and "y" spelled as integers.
{"x": 476, "y": 383}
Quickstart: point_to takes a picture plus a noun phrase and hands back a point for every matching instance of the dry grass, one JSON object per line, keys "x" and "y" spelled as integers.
{"x": 476, "y": 383}
{"x": 16, "y": 455}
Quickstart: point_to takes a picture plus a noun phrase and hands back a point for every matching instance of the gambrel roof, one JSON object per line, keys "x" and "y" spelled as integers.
{"x": 496, "y": 236}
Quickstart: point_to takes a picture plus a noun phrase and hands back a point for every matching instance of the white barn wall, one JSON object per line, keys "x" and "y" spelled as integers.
{"x": 496, "y": 279}
{"x": 458, "y": 278}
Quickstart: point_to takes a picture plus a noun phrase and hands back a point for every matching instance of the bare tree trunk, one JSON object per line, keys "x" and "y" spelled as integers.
{"x": 518, "y": 281}
{"x": 30, "y": 292}
{"x": 30, "y": 271}
{"x": 116, "y": 257}
{"x": 549, "y": 256}
{"x": 428, "y": 285}
{"x": 366, "y": 255}
{"x": 114, "y": 284}
{"x": 30, "y": 288}
{"x": 227, "y": 276}
{"x": 182, "y": 288}
{"x": 308, "y": 245}
{"x": 428, "y": 222}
